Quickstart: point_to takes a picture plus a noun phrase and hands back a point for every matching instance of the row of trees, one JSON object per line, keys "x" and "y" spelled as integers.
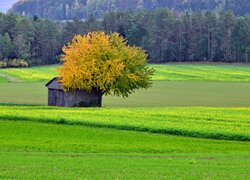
{"x": 165, "y": 36}
{"x": 81, "y": 9}
{"x": 177, "y": 38}
{"x": 35, "y": 40}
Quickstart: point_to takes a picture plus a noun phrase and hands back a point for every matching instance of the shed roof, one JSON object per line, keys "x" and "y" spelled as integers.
{"x": 54, "y": 84}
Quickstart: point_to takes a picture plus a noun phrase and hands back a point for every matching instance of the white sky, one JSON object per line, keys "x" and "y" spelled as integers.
{"x": 6, "y": 4}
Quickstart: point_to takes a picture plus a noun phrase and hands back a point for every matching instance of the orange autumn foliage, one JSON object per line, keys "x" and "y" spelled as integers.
{"x": 104, "y": 62}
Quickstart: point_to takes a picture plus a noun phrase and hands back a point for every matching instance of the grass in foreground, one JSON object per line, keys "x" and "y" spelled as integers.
{"x": 215, "y": 123}
{"x": 43, "y": 137}
{"x": 126, "y": 166}
{"x": 169, "y": 72}
{"x": 38, "y": 150}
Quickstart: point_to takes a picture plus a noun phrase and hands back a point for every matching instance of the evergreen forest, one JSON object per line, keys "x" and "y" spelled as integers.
{"x": 165, "y": 35}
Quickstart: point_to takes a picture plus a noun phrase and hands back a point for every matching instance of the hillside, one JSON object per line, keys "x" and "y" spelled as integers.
{"x": 67, "y": 9}
{"x": 5, "y": 5}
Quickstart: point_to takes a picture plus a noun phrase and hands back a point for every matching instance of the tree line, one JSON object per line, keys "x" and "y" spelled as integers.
{"x": 82, "y": 9}
{"x": 34, "y": 40}
{"x": 165, "y": 36}
{"x": 168, "y": 37}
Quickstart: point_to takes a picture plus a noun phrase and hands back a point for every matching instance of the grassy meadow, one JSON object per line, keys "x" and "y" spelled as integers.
{"x": 172, "y": 72}
{"x": 173, "y": 86}
{"x": 2, "y": 79}
{"x": 193, "y": 123}
{"x": 49, "y": 151}
{"x": 202, "y": 72}
{"x": 162, "y": 94}
{"x": 124, "y": 166}
{"x": 213, "y": 123}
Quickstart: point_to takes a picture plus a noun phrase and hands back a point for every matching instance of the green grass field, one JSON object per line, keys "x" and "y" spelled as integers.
{"x": 125, "y": 166}
{"x": 194, "y": 123}
{"x": 174, "y": 85}
{"x": 46, "y": 151}
{"x": 173, "y": 72}
{"x": 215, "y": 123}
{"x": 41, "y": 73}
{"x": 2, "y": 79}
{"x": 162, "y": 94}
{"x": 202, "y": 72}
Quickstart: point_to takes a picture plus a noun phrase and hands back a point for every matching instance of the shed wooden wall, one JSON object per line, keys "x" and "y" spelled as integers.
{"x": 57, "y": 97}
{"x": 82, "y": 99}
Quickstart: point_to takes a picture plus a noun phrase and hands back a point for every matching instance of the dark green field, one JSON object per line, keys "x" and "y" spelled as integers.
{"x": 192, "y": 124}
{"x": 163, "y": 93}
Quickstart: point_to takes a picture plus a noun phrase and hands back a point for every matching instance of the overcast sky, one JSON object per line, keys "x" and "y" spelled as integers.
{"x": 6, "y": 4}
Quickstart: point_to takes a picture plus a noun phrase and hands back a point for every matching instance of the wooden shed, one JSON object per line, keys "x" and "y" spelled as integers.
{"x": 80, "y": 98}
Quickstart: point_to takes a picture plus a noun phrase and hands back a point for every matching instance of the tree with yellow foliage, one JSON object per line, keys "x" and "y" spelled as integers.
{"x": 104, "y": 63}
